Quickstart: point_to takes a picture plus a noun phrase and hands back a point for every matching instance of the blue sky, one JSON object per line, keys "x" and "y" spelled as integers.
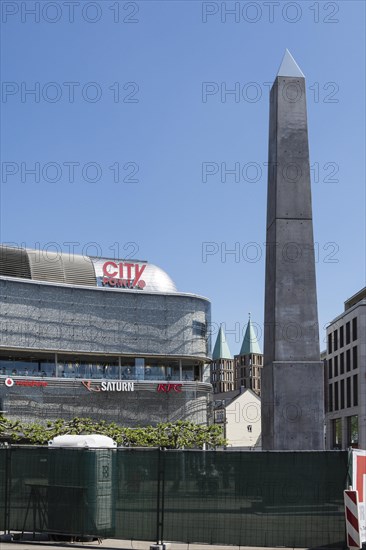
{"x": 123, "y": 121}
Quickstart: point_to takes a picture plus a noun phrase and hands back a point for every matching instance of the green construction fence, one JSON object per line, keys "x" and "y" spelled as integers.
{"x": 292, "y": 499}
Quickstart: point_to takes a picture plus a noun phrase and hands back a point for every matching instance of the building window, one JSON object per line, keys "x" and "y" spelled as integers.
{"x": 354, "y": 357}
{"x": 330, "y": 368}
{"x": 352, "y": 431}
{"x": 348, "y": 333}
{"x": 337, "y": 433}
{"x": 341, "y": 363}
{"x": 336, "y": 401}
{"x": 199, "y": 329}
{"x": 348, "y": 360}
{"x": 335, "y": 340}
{"x": 249, "y": 428}
{"x": 330, "y": 400}
{"x": 348, "y": 386}
{"x": 355, "y": 390}
{"x": 336, "y": 365}
{"x": 341, "y": 337}
{"x": 342, "y": 394}
{"x": 354, "y": 329}
{"x": 329, "y": 343}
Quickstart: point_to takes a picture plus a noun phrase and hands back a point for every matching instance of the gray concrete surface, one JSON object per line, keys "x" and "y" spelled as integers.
{"x": 113, "y": 544}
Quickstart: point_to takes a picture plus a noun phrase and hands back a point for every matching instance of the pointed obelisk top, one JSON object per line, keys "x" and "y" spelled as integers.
{"x": 289, "y": 67}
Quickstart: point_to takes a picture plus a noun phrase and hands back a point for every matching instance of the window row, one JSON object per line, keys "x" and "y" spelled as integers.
{"x": 222, "y": 376}
{"x": 342, "y": 336}
{"x": 341, "y": 363}
{"x": 248, "y": 372}
{"x": 224, "y": 364}
{"x": 351, "y": 432}
{"x": 246, "y": 360}
{"x": 343, "y": 394}
{"x": 132, "y": 369}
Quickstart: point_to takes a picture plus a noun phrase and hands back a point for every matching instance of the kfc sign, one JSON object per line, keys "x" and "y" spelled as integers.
{"x": 120, "y": 274}
{"x": 167, "y": 388}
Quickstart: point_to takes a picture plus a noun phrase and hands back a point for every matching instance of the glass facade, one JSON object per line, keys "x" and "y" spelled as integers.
{"x": 114, "y": 369}
{"x": 24, "y": 367}
{"x": 352, "y": 430}
{"x": 337, "y": 433}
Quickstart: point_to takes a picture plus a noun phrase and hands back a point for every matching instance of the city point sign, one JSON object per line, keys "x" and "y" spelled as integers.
{"x": 123, "y": 275}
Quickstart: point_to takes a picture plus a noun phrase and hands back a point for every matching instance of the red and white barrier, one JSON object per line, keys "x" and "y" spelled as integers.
{"x": 351, "y": 511}
{"x": 359, "y": 484}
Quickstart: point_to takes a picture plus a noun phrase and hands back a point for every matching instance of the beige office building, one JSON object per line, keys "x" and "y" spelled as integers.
{"x": 345, "y": 376}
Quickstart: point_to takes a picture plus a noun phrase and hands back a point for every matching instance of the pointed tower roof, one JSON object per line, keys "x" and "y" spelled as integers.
{"x": 221, "y": 349}
{"x": 289, "y": 67}
{"x": 250, "y": 342}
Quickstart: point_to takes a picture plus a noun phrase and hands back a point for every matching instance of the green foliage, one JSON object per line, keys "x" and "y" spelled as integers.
{"x": 169, "y": 435}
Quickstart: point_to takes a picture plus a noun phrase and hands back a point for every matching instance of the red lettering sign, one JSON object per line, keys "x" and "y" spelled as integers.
{"x": 122, "y": 276}
{"x": 9, "y": 382}
{"x": 105, "y": 269}
{"x": 166, "y": 388}
{"x": 30, "y": 383}
{"x": 88, "y": 386}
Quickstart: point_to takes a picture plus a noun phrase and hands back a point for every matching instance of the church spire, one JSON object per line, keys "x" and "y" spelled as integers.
{"x": 250, "y": 342}
{"x": 221, "y": 349}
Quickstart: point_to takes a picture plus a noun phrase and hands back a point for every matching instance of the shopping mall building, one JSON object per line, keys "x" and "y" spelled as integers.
{"x": 100, "y": 338}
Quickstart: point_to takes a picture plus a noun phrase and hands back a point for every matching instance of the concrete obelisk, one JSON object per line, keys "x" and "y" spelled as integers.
{"x": 292, "y": 377}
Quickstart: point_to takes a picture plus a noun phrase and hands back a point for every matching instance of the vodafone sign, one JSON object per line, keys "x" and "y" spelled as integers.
{"x": 120, "y": 274}
{"x": 9, "y": 383}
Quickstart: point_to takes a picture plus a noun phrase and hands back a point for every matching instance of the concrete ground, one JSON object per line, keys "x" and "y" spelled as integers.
{"x": 112, "y": 544}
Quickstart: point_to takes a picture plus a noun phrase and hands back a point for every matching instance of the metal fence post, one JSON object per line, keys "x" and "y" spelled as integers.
{"x": 7, "y": 489}
{"x": 160, "y": 498}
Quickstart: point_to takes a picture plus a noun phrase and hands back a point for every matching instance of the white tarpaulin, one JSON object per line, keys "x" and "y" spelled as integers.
{"x": 83, "y": 441}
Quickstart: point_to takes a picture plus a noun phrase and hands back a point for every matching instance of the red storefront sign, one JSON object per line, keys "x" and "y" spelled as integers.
{"x": 123, "y": 275}
{"x": 9, "y": 382}
{"x": 166, "y": 388}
